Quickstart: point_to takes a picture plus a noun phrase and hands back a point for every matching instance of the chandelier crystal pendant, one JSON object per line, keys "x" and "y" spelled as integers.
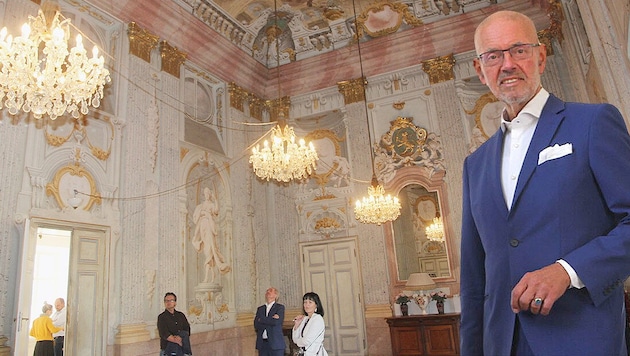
{"x": 39, "y": 74}
{"x": 377, "y": 208}
{"x": 435, "y": 231}
{"x": 285, "y": 159}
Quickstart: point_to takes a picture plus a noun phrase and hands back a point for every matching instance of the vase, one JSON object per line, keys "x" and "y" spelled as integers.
{"x": 440, "y": 306}
{"x": 404, "y": 309}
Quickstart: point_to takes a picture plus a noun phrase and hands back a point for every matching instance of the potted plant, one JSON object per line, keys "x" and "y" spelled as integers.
{"x": 439, "y": 298}
{"x": 403, "y": 299}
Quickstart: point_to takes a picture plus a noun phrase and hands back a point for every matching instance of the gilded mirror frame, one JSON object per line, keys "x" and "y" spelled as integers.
{"x": 432, "y": 182}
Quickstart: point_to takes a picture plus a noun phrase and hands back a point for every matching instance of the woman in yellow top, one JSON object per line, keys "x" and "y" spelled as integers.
{"x": 42, "y": 330}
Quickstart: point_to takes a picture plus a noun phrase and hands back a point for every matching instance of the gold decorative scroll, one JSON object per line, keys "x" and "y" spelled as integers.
{"x": 74, "y": 170}
{"x": 399, "y": 105}
{"x": 545, "y": 37}
{"x": 353, "y": 90}
{"x": 439, "y": 69}
{"x": 172, "y": 59}
{"x": 141, "y": 42}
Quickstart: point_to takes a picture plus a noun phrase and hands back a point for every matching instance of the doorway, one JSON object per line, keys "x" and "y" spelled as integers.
{"x": 50, "y": 272}
{"x": 67, "y": 261}
{"x": 331, "y": 269}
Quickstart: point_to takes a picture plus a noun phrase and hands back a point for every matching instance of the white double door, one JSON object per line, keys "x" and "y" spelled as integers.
{"x": 331, "y": 269}
{"x": 87, "y": 281}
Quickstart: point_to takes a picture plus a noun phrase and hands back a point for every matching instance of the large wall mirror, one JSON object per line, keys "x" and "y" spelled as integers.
{"x": 410, "y": 247}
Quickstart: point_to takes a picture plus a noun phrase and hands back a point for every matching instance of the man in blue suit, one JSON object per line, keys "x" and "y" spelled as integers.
{"x": 546, "y": 212}
{"x": 268, "y": 325}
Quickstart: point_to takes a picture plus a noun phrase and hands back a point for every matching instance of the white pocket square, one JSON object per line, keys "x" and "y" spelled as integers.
{"x": 553, "y": 152}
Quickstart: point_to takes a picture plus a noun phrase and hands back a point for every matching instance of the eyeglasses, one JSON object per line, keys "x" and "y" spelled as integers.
{"x": 517, "y": 52}
{"x": 169, "y": 300}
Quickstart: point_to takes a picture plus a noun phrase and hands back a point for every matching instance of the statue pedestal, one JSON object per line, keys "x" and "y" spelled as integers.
{"x": 210, "y": 297}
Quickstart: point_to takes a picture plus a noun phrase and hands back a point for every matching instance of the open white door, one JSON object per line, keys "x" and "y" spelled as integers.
{"x": 24, "y": 288}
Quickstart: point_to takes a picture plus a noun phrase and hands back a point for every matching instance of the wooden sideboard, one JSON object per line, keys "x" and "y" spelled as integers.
{"x": 433, "y": 334}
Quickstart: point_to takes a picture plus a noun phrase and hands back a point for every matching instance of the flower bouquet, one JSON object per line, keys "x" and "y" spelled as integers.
{"x": 402, "y": 299}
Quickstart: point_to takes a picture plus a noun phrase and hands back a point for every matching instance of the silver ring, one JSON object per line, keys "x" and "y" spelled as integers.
{"x": 538, "y": 301}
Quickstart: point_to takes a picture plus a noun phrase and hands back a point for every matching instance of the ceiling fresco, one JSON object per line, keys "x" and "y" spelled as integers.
{"x": 307, "y": 28}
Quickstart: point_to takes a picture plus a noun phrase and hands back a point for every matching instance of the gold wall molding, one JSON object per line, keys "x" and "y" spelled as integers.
{"x": 353, "y": 90}
{"x": 141, "y": 42}
{"x": 399, "y": 105}
{"x": 172, "y": 59}
{"x": 55, "y": 187}
{"x": 439, "y": 69}
{"x": 79, "y": 129}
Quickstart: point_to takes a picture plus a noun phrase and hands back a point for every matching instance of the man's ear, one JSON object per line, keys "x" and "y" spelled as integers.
{"x": 477, "y": 66}
{"x": 542, "y": 58}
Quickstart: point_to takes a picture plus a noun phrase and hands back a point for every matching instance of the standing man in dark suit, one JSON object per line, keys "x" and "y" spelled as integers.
{"x": 546, "y": 212}
{"x": 268, "y": 325}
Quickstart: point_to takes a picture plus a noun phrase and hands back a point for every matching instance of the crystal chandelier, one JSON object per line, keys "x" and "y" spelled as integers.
{"x": 377, "y": 207}
{"x": 39, "y": 74}
{"x": 284, "y": 160}
{"x": 435, "y": 231}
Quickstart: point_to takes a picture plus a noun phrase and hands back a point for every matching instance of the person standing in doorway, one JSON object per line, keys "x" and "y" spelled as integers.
{"x": 545, "y": 243}
{"x": 59, "y": 319}
{"x": 174, "y": 329}
{"x": 42, "y": 331}
{"x": 268, "y": 325}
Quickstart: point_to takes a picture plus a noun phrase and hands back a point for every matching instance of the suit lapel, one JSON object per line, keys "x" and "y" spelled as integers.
{"x": 550, "y": 119}
{"x": 494, "y": 168}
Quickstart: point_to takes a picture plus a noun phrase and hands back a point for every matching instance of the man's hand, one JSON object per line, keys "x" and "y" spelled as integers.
{"x": 276, "y": 316}
{"x": 538, "y": 290}
{"x": 176, "y": 339}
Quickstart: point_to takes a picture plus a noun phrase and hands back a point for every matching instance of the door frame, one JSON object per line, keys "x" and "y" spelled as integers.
{"x": 23, "y": 291}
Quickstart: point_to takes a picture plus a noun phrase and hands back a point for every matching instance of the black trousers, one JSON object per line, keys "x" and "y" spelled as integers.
{"x": 59, "y": 346}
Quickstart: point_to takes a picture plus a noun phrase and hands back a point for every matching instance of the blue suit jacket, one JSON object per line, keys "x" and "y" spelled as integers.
{"x": 575, "y": 208}
{"x": 273, "y": 326}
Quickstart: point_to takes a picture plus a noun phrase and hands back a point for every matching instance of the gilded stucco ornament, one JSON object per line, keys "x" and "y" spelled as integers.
{"x": 141, "y": 42}
{"x": 406, "y": 145}
{"x": 71, "y": 178}
{"x": 439, "y": 69}
{"x": 172, "y": 59}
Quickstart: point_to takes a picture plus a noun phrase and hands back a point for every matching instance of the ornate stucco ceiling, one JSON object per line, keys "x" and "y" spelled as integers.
{"x": 308, "y": 28}
{"x": 235, "y": 39}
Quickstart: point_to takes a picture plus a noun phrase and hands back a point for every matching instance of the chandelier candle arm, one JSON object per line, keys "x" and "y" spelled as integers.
{"x": 52, "y": 81}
